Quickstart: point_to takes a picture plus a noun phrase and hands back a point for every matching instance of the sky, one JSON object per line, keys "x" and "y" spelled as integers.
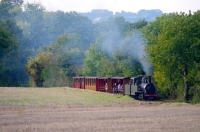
{"x": 166, "y": 6}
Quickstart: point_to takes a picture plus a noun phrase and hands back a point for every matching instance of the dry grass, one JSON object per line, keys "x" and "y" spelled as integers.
{"x": 72, "y": 110}
{"x": 58, "y": 96}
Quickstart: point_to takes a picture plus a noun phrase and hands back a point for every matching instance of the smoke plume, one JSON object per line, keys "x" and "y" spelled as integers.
{"x": 132, "y": 45}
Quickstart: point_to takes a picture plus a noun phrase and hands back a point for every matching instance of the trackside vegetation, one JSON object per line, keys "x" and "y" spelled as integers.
{"x": 173, "y": 42}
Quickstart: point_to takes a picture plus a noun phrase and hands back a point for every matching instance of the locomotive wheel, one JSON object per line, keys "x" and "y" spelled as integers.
{"x": 142, "y": 96}
{"x": 145, "y": 98}
{"x": 152, "y": 98}
{"x": 136, "y": 96}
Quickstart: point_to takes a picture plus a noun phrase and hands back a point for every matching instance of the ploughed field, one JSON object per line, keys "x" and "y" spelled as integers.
{"x": 73, "y": 110}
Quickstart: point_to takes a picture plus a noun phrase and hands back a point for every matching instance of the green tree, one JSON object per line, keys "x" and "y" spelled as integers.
{"x": 13, "y": 56}
{"x": 37, "y": 68}
{"x": 31, "y": 20}
{"x": 138, "y": 25}
{"x": 8, "y": 8}
{"x": 92, "y": 61}
{"x": 58, "y": 63}
{"x": 172, "y": 45}
{"x": 8, "y": 45}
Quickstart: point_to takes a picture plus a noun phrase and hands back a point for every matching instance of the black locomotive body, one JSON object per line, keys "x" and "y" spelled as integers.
{"x": 140, "y": 87}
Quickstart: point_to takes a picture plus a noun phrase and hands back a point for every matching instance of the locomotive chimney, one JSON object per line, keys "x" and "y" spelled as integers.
{"x": 149, "y": 79}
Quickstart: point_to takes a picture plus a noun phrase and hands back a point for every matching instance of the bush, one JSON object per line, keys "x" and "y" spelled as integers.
{"x": 195, "y": 94}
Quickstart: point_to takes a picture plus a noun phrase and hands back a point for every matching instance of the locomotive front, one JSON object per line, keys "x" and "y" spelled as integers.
{"x": 148, "y": 90}
{"x": 141, "y": 87}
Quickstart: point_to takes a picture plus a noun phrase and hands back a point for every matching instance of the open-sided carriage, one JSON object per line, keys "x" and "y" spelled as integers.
{"x": 118, "y": 84}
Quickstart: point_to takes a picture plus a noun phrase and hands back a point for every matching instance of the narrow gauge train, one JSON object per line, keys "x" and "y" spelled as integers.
{"x": 140, "y": 87}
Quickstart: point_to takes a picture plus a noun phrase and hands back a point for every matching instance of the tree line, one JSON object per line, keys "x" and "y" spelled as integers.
{"x": 39, "y": 48}
{"x": 173, "y": 43}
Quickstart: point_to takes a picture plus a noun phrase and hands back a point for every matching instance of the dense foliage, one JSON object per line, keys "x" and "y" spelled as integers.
{"x": 173, "y": 43}
{"x": 57, "y": 64}
{"x": 45, "y": 49}
{"x": 13, "y": 56}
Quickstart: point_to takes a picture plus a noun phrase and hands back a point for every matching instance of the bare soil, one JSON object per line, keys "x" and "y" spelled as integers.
{"x": 137, "y": 117}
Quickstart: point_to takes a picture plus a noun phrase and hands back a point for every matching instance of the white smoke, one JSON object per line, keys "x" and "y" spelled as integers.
{"x": 132, "y": 45}
{"x": 137, "y": 46}
{"x": 111, "y": 42}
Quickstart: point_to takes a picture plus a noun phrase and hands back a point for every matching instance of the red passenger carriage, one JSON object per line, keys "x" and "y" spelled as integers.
{"x": 104, "y": 84}
{"x": 91, "y": 83}
{"x": 78, "y": 82}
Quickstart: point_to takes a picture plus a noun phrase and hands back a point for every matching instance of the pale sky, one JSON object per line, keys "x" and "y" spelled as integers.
{"x": 119, "y": 5}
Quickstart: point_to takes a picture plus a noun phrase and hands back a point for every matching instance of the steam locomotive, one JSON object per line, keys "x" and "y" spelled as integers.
{"x": 139, "y": 87}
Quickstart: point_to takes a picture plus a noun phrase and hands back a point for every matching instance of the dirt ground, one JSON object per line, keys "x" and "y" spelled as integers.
{"x": 117, "y": 118}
